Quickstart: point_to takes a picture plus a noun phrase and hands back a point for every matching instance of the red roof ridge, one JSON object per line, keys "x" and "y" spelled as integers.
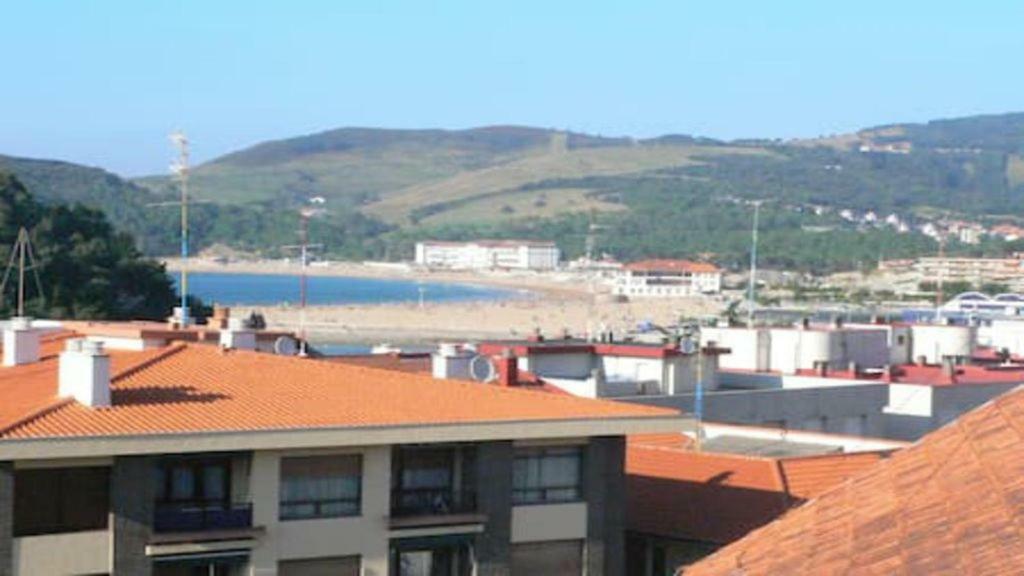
{"x": 36, "y": 414}
{"x": 147, "y": 362}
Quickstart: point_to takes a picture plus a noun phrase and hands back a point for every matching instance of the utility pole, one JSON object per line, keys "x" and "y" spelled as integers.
{"x": 180, "y": 169}
{"x": 938, "y": 285}
{"x": 753, "y": 267}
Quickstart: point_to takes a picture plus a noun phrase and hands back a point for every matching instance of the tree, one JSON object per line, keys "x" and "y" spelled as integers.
{"x": 87, "y": 269}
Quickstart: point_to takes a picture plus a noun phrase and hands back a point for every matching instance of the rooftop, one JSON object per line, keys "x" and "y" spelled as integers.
{"x": 950, "y": 504}
{"x": 672, "y": 266}
{"x": 189, "y": 388}
{"x": 713, "y": 497}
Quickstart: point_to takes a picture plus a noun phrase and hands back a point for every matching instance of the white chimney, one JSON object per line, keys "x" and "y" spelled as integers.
{"x": 451, "y": 361}
{"x": 84, "y": 373}
{"x": 238, "y": 335}
{"x": 21, "y": 342}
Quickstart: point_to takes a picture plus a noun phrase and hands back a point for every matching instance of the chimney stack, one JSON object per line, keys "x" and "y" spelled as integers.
{"x": 451, "y": 361}
{"x": 84, "y": 373}
{"x": 21, "y": 342}
{"x": 508, "y": 369}
{"x": 238, "y": 335}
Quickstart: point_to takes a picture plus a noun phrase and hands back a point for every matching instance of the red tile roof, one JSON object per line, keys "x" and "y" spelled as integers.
{"x": 953, "y": 503}
{"x": 198, "y": 388}
{"x": 675, "y": 492}
{"x": 672, "y": 266}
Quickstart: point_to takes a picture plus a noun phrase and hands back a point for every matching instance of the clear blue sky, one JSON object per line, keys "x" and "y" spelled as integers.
{"x": 103, "y": 82}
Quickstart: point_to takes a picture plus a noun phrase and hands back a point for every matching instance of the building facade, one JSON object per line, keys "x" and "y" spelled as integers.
{"x": 667, "y": 279}
{"x": 489, "y": 254}
{"x": 196, "y": 459}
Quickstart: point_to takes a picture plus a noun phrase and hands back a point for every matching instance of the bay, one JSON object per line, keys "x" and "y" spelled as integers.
{"x": 280, "y": 289}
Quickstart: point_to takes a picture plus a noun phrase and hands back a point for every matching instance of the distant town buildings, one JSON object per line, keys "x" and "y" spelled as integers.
{"x": 667, "y": 278}
{"x": 488, "y": 254}
{"x": 949, "y": 268}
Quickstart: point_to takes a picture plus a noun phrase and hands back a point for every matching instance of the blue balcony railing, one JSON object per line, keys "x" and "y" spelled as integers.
{"x": 202, "y": 516}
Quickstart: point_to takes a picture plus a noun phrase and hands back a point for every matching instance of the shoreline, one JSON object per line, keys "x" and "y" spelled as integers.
{"x": 546, "y": 282}
{"x": 555, "y": 303}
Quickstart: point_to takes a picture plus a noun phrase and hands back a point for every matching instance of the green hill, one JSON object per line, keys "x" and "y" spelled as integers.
{"x": 668, "y": 196}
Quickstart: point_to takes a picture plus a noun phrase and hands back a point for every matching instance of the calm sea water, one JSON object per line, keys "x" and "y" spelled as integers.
{"x": 267, "y": 289}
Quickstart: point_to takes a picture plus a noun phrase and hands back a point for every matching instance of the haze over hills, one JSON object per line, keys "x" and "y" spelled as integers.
{"x": 668, "y": 196}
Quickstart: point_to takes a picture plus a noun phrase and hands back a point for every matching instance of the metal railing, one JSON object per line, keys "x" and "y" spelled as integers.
{"x": 431, "y": 502}
{"x": 201, "y": 516}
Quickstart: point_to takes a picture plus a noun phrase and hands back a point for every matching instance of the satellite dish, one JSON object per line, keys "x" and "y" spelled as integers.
{"x": 688, "y": 346}
{"x": 286, "y": 346}
{"x": 482, "y": 369}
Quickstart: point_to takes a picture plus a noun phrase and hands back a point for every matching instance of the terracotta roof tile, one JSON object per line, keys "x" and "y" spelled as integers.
{"x": 675, "y": 492}
{"x": 953, "y": 503}
{"x": 672, "y": 266}
{"x": 196, "y": 388}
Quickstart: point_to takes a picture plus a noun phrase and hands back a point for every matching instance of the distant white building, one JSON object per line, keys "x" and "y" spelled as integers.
{"x": 489, "y": 254}
{"x": 667, "y": 278}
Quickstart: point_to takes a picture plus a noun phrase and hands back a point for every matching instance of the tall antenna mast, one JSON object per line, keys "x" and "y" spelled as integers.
{"x": 180, "y": 170}
{"x": 21, "y": 252}
{"x": 753, "y": 266}
{"x": 305, "y": 213}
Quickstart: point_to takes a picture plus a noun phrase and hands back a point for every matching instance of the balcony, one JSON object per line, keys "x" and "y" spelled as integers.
{"x": 431, "y": 502}
{"x": 202, "y": 516}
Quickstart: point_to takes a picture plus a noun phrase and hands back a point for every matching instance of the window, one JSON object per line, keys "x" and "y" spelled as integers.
{"x": 544, "y": 475}
{"x": 55, "y": 500}
{"x": 321, "y": 487}
{"x": 548, "y": 558}
{"x": 200, "y": 481}
{"x": 335, "y": 566}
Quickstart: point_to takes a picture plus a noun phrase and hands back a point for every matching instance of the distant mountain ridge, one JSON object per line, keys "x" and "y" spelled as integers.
{"x": 673, "y": 195}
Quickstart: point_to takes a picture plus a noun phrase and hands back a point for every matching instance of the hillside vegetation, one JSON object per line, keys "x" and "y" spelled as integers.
{"x": 674, "y": 195}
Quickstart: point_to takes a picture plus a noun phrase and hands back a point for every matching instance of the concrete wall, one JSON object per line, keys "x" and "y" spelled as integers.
{"x": 62, "y": 554}
{"x": 559, "y": 365}
{"x": 933, "y": 342}
{"x": 6, "y": 519}
{"x": 842, "y": 408}
{"x": 549, "y": 522}
{"x": 917, "y": 410}
{"x": 605, "y": 462}
{"x": 494, "y": 498}
{"x": 132, "y": 501}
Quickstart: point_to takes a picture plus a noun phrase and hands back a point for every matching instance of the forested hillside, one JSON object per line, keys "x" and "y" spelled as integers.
{"x": 86, "y": 269}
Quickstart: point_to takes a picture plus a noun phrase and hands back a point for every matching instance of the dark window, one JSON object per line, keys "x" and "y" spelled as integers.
{"x": 563, "y": 558}
{"x": 321, "y": 486}
{"x": 336, "y": 566}
{"x": 545, "y": 475}
{"x": 55, "y": 500}
{"x": 195, "y": 481}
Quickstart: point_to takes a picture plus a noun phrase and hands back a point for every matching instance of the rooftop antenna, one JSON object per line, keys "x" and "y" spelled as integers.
{"x": 20, "y": 252}
{"x": 313, "y": 207}
{"x": 180, "y": 169}
{"x": 753, "y": 266}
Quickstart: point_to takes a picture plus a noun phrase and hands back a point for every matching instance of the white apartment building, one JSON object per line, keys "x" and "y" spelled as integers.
{"x": 489, "y": 254}
{"x": 667, "y": 279}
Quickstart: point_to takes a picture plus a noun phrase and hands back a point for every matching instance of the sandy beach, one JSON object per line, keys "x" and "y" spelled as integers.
{"x": 560, "y": 302}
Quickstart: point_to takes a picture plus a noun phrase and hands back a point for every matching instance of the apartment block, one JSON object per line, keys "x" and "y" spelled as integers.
{"x": 188, "y": 459}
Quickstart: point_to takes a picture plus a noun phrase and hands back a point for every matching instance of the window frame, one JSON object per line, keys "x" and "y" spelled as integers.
{"x": 519, "y": 494}
{"x": 319, "y": 504}
{"x": 196, "y": 467}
